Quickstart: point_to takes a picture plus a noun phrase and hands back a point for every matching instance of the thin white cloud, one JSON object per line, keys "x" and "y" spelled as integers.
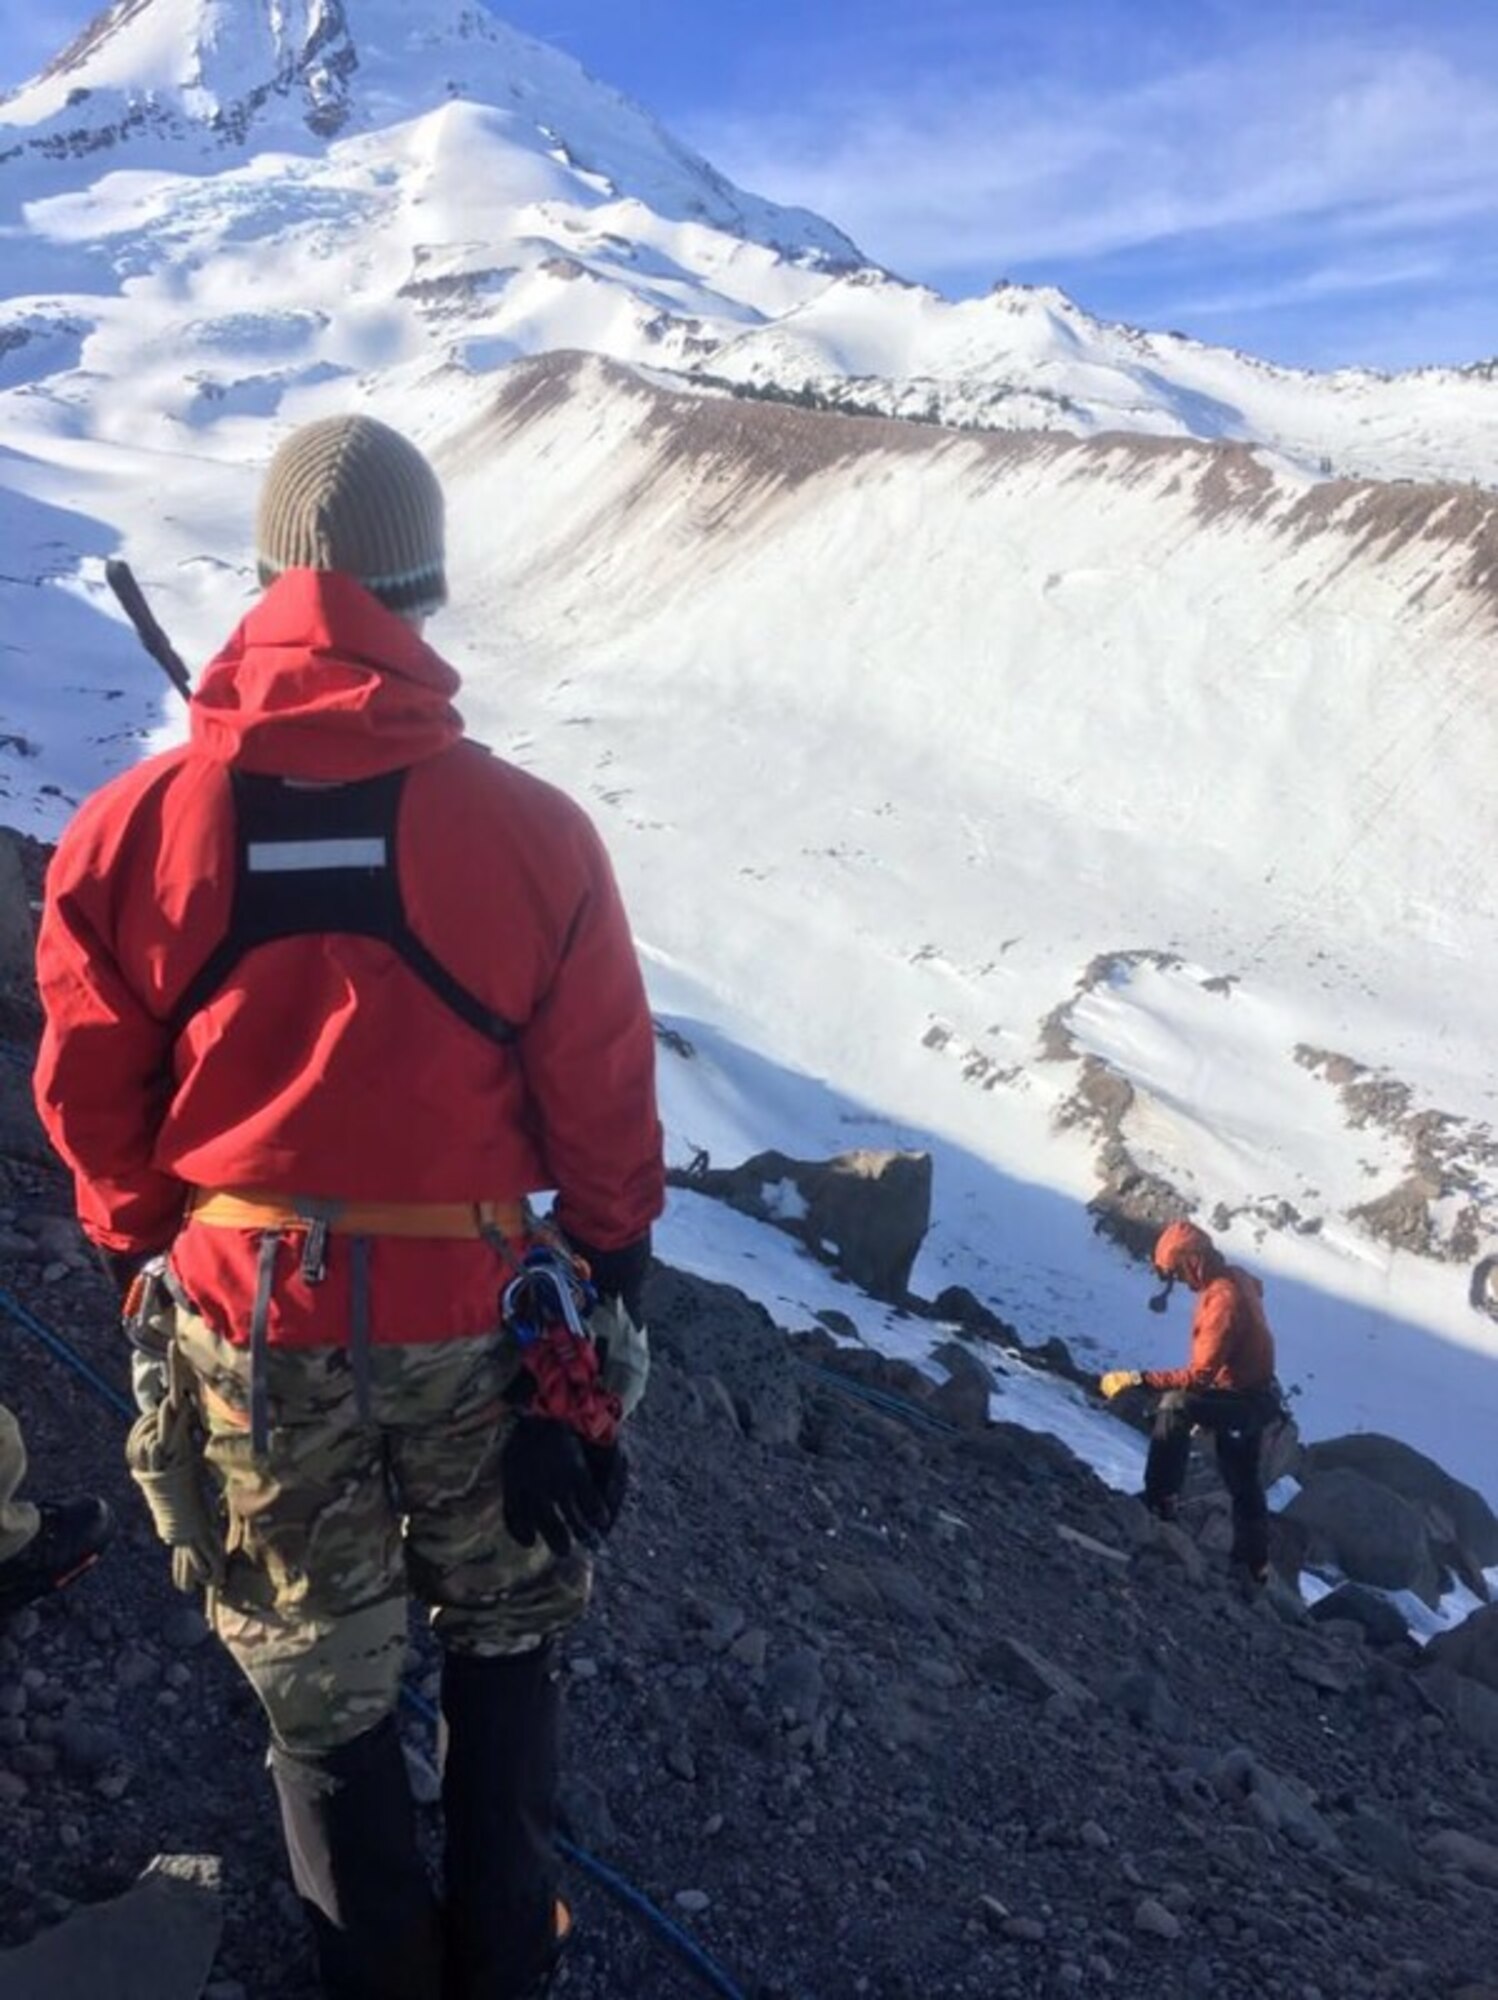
{"x": 1357, "y": 277}
{"x": 949, "y": 179}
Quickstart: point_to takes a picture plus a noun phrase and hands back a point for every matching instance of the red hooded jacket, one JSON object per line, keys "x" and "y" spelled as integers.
{"x": 1231, "y": 1345}
{"x": 324, "y": 1066}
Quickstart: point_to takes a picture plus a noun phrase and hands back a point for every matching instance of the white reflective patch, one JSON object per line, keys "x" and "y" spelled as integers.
{"x": 286, "y": 857}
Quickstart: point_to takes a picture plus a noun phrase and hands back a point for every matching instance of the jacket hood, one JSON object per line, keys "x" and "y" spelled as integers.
{"x": 321, "y": 682}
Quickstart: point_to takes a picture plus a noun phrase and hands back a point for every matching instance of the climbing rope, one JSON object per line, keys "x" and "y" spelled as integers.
{"x": 64, "y": 1352}
{"x": 887, "y": 1400}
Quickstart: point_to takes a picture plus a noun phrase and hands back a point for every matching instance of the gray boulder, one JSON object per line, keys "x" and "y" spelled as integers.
{"x": 963, "y": 1399}
{"x": 1368, "y": 1532}
{"x": 1279, "y": 1803}
{"x": 16, "y": 933}
{"x": 1467, "y": 1704}
{"x": 156, "y": 1942}
{"x": 1462, "y": 1527}
{"x": 865, "y": 1212}
{"x": 1013, "y": 1663}
{"x": 963, "y": 1308}
{"x": 1377, "y": 1618}
{"x": 1144, "y": 1697}
{"x": 1483, "y": 1292}
{"x": 1471, "y": 1648}
{"x": 21, "y": 1134}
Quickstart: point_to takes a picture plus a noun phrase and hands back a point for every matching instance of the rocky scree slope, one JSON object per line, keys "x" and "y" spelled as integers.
{"x": 872, "y": 1707}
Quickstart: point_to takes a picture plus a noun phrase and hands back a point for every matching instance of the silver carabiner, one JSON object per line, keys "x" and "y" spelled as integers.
{"x": 520, "y": 1306}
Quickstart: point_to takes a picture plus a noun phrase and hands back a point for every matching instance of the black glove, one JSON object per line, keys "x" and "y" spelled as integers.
{"x": 609, "y": 1464}
{"x": 619, "y": 1274}
{"x": 558, "y": 1487}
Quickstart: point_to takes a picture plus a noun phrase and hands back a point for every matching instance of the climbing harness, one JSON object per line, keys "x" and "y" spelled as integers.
{"x": 310, "y": 1221}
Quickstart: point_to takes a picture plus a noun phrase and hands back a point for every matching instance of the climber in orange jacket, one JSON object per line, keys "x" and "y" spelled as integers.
{"x": 1227, "y": 1387}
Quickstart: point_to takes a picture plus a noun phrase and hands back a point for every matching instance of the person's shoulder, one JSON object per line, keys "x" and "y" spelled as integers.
{"x": 1242, "y": 1281}
{"x": 472, "y": 776}
{"x": 107, "y": 815}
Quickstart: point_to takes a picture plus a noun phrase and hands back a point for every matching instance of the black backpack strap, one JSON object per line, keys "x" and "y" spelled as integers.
{"x": 322, "y": 858}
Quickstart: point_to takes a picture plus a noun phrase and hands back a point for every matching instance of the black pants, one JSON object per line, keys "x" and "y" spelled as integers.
{"x": 352, "y": 1839}
{"x": 500, "y": 1772}
{"x": 1237, "y": 1419}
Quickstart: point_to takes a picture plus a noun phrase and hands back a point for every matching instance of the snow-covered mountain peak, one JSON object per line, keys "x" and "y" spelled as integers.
{"x": 1013, "y": 295}
{"x": 483, "y": 198}
{"x": 200, "y": 63}
{"x": 170, "y": 83}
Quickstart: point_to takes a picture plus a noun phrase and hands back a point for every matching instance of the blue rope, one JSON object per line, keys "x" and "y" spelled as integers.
{"x": 686, "y": 1948}
{"x": 880, "y": 1399}
{"x": 671, "y": 1934}
{"x": 58, "y": 1346}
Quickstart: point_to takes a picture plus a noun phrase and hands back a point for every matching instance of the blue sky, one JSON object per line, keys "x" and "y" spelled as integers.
{"x": 1314, "y": 182}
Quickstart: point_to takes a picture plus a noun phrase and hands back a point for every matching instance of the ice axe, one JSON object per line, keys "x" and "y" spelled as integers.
{"x": 121, "y": 580}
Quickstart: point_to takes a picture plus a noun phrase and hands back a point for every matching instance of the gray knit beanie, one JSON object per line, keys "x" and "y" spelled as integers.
{"x": 349, "y": 493}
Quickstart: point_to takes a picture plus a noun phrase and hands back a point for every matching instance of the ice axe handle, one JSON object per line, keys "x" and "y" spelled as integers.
{"x": 121, "y": 580}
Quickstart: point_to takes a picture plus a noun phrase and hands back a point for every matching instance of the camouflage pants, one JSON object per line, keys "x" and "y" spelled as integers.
{"x": 344, "y": 1519}
{"x": 18, "y": 1518}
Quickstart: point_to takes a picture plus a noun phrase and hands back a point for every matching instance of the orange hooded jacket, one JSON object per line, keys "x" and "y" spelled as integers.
{"x": 1231, "y": 1345}
{"x": 324, "y": 1066}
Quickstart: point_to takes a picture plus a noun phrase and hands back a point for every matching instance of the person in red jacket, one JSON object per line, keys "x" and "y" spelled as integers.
{"x": 330, "y": 991}
{"x": 1227, "y": 1387}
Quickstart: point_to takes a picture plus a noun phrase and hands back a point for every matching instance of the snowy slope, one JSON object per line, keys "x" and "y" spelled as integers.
{"x": 894, "y": 734}
{"x": 962, "y": 785}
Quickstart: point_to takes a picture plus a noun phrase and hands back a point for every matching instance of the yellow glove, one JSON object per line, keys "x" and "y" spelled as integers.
{"x": 1117, "y": 1380}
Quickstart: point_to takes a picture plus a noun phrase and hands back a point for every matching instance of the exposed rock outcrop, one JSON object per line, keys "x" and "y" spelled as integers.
{"x": 1368, "y": 1532}
{"x": 864, "y": 1212}
{"x": 1460, "y": 1526}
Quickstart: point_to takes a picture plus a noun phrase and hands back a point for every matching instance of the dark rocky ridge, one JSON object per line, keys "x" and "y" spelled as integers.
{"x": 736, "y": 454}
{"x": 899, "y": 1710}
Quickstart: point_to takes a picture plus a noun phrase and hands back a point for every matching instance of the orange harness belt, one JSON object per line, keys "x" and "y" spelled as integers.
{"x": 245, "y": 1208}
{"x": 503, "y": 1223}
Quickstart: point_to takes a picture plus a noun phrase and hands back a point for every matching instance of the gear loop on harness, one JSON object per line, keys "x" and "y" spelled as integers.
{"x": 545, "y": 1308}
{"x": 551, "y": 1284}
